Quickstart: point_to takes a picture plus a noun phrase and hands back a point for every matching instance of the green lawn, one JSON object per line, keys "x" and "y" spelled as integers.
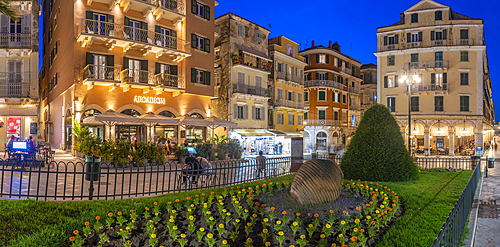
{"x": 427, "y": 203}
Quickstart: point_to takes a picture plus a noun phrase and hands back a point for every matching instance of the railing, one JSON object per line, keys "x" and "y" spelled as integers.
{"x": 247, "y": 89}
{"x": 443, "y": 64}
{"x": 175, "y": 6}
{"x": 465, "y": 42}
{"x": 15, "y": 40}
{"x": 289, "y": 77}
{"x": 15, "y": 85}
{"x": 391, "y": 47}
{"x": 253, "y": 63}
{"x": 354, "y": 90}
{"x": 136, "y": 76}
{"x": 87, "y": 181}
{"x": 288, "y": 103}
{"x": 345, "y": 70}
{"x": 452, "y": 231}
{"x": 354, "y": 107}
{"x": 323, "y": 83}
{"x": 166, "y": 80}
{"x": 442, "y": 42}
{"x": 428, "y": 88}
{"x": 113, "y": 30}
{"x": 323, "y": 122}
{"x": 99, "y": 72}
{"x": 413, "y": 44}
{"x": 464, "y": 163}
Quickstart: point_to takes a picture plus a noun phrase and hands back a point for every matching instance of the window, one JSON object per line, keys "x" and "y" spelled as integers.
{"x": 306, "y": 59}
{"x": 391, "y": 81}
{"x": 391, "y": 104}
{"x": 336, "y": 97}
{"x": 438, "y": 103}
{"x": 321, "y": 76}
{"x": 290, "y": 50}
{"x": 464, "y": 103}
{"x": 306, "y": 96}
{"x": 279, "y": 95}
{"x": 280, "y": 119}
{"x": 291, "y": 119}
{"x": 464, "y": 33}
{"x": 464, "y": 79}
{"x": 241, "y": 30}
{"x": 413, "y": 37}
{"x": 464, "y": 56}
{"x": 322, "y": 58}
{"x": 414, "y": 58}
{"x": 414, "y": 104}
{"x": 258, "y": 113}
{"x": 258, "y": 37}
{"x": 200, "y": 76}
{"x": 439, "y": 35}
{"x": 200, "y": 10}
{"x": 344, "y": 99}
{"x": 300, "y": 120}
{"x": 414, "y": 18}
{"x": 336, "y": 115}
{"x": 391, "y": 60}
{"x": 240, "y": 111}
{"x": 439, "y": 78}
{"x": 344, "y": 115}
{"x": 290, "y": 95}
{"x": 321, "y": 114}
{"x": 306, "y": 116}
{"x": 299, "y": 97}
{"x": 53, "y": 82}
{"x": 322, "y": 95}
{"x": 200, "y": 43}
{"x": 335, "y": 62}
{"x": 438, "y": 15}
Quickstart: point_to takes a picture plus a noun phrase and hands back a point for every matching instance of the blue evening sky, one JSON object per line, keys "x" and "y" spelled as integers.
{"x": 353, "y": 23}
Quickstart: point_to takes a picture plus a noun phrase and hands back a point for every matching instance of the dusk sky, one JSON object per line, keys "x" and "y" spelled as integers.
{"x": 353, "y": 23}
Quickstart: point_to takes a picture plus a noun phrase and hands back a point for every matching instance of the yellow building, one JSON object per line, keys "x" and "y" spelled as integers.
{"x": 287, "y": 115}
{"x": 441, "y": 54}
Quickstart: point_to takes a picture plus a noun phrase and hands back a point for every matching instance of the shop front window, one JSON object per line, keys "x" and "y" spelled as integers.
{"x": 196, "y": 134}
{"x": 14, "y": 126}
{"x": 321, "y": 141}
{"x": 196, "y": 115}
{"x": 165, "y": 133}
{"x": 89, "y": 113}
{"x": 167, "y": 114}
{"x": 131, "y": 112}
{"x": 130, "y": 133}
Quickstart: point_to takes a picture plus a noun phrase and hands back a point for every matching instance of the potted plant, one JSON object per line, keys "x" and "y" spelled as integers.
{"x": 181, "y": 153}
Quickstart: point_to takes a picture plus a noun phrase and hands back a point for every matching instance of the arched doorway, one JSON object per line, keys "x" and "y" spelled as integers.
{"x": 131, "y": 133}
{"x": 68, "y": 120}
{"x": 96, "y": 128}
{"x": 166, "y": 133}
{"x": 196, "y": 133}
{"x": 321, "y": 141}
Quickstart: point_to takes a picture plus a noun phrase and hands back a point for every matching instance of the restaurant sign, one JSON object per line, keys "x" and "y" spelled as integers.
{"x": 150, "y": 100}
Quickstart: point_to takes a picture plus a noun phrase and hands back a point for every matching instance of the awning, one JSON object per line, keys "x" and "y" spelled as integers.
{"x": 18, "y": 110}
{"x": 253, "y": 132}
{"x": 277, "y": 132}
{"x": 293, "y": 134}
{"x": 253, "y": 52}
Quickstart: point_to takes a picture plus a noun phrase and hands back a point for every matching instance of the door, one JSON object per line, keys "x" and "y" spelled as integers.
{"x": 67, "y": 138}
{"x": 439, "y": 59}
{"x": 241, "y": 82}
{"x": 134, "y": 67}
{"x": 99, "y": 24}
{"x": 440, "y": 142}
{"x": 134, "y": 30}
{"x": 99, "y": 66}
{"x": 14, "y": 88}
{"x": 15, "y": 32}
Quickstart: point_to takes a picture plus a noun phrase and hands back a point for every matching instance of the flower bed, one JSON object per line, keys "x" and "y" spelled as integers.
{"x": 235, "y": 218}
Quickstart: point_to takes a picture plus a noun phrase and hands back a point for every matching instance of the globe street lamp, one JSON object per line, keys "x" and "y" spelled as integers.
{"x": 409, "y": 80}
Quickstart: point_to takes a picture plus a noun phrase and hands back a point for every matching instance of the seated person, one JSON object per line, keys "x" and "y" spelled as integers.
{"x": 8, "y": 146}
{"x": 31, "y": 144}
{"x": 191, "y": 168}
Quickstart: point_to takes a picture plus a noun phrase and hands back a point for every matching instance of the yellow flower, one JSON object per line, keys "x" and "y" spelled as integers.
{"x": 246, "y": 210}
{"x": 174, "y": 227}
{"x": 341, "y": 235}
{"x": 224, "y": 241}
{"x": 249, "y": 240}
{"x": 202, "y": 229}
{"x": 376, "y": 211}
{"x": 223, "y": 210}
{"x": 127, "y": 228}
{"x": 268, "y": 243}
{"x": 342, "y": 222}
{"x": 228, "y": 214}
{"x": 173, "y": 211}
{"x": 254, "y": 215}
{"x": 249, "y": 224}
{"x": 183, "y": 235}
{"x": 281, "y": 233}
{"x": 211, "y": 218}
{"x": 210, "y": 235}
{"x": 171, "y": 220}
{"x": 237, "y": 220}
{"x": 355, "y": 229}
{"x": 265, "y": 230}
{"x": 295, "y": 223}
{"x": 368, "y": 217}
{"x": 381, "y": 206}
{"x": 208, "y": 212}
{"x": 192, "y": 205}
{"x": 302, "y": 236}
{"x": 221, "y": 225}
{"x": 278, "y": 222}
{"x": 153, "y": 235}
{"x": 356, "y": 221}
{"x": 191, "y": 217}
{"x": 189, "y": 210}
{"x": 322, "y": 236}
{"x": 328, "y": 226}
{"x": 310, "y": 225}
{"x": 266, "y": 220}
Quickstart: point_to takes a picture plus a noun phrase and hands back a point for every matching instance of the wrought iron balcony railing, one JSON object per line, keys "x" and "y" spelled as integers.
{"x": 345, "y": 70}
{"x": 253, "y": 90}
{"x": 418, "y": 88}
{"x": 465, "y": 42}
{"x": 443, "y": 64}
{"x": 99, "y": 72}
{"x": 354, "y": 90}
{"x": 253, "y": 62}
{"x": 441, "y": 42}
{"x": 15, "y": 40}
{"x": 15, "y": 85}
{"x": 166, "y": 80}
{"x": 288, "y": 103}
{"x": 413, "y": 44}
{"x": 323, "y": 83}
{"x": 290, "y": 77}
{"x": 323, "y": 122}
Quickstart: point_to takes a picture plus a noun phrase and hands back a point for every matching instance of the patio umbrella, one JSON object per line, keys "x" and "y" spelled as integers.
{"x": 216, "y": 122}
{"x": 111, "y": 118}
{"x": 150, "y": 119}
{"x": 192, "y": 121}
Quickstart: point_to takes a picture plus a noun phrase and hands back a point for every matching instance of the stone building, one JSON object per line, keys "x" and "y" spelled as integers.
{"x": 368, "y": 94}
{"x": 242, "y": 68}
{"x": 434, "y": 61}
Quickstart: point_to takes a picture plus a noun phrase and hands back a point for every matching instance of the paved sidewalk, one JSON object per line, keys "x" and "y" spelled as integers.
{"x": 487, "y": 208}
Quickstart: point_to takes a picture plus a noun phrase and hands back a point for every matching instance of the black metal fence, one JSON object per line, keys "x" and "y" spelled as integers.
{"x": 71, "y": 181}
{"x": 457, "y": 163}
{"x": 453, "y": 229}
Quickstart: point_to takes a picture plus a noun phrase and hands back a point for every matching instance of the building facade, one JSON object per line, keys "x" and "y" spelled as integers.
{"x": 19, "y": 72}
{"x": 286, "y": 111}
{"x": 242, "y": 69}
{"x": 129, "y": 56}
{"x": 368, "y": 95}
{"x": 332, "y": 87}
{"x": 442, "y": 55}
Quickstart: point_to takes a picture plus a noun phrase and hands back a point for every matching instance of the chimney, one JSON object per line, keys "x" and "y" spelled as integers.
{"x": 336, "y": 47}
{"x": 312, "y": 45}
{"x": 402, "y": 16}
{"x": 330, "y": 44}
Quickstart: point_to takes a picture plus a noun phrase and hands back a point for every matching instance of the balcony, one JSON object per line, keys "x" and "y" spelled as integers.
{"x": 252, "y": 62}
{"x": 443, "y": 64}
{"x": 354, "y": 90}
{"x": 323, "y": 122}
{"x": 112, "y": 34}
{"x": 424, "y": 88}
{"x": 465, "y": 42}
{"x": 439, "y": 42}
{"x": 413, "y": 45}
{"x": 172, "y": 10}
{"x": 127, "y": 79}
{"x": 15, "y": 85}
{"x": 15, "y": 40}
{"x": 290, "y": 77}
{"x": 345, "y": 70}
{"x": 289, "y": 104}
{"x": 354, "y": 107}
{"x": 252, "y": 90}
{"x": 323, "y": 83}
{"x": 390, "y": 47}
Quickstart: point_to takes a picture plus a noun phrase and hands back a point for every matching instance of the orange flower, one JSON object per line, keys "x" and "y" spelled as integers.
{"x": 354, "y": 238}
{"x": 390, "y": 209}
{"x": 316, "y": 215}
{"x": 298, "y": 214}
{"x": 188, "y": 198}
{"x": 131, "y": 210}
{"x": 371, "y": 182}
{"x": 269, "y": 180}
{"x": 359, "y": 180}
{"x": 147, "y": 208}
{"x": 378, "y": 215}
{"x": 357, "y": 208}
{"x": 71, "y": 239}
{"x": 373, "y": 222}
{"x": 371, "y": 202}
{"x": 344, "y": 212}
{"x": 388, "y": 189}
{"x": 263, "y": 205}
{"x": 111, "y": 214}
{"x": 393, "y": 200}
{"x": 331, "y": 211}
{"x": 345, "y": 245}
{"x": 87, "y": 223}
{"x": 257, "y": 203}
{"x": 232, "y": 188}
{"x": 155, "y": 203}
{"x": 397, "y": 197}
{"x": 202, "y": 194}
{"x": 224, "y": 188}
{"x": 361, "y": 230}
{"x": 97, "y": 218}
{"x": 212, "y": 193}
{"x": 258, "y": 182}
{"x": 273, "y": 208}
{"x": 368, "y": 205}
{"x": 169, "y": 203}
{"x": 119, "y": 213}
{"x": 251, "y": 182}
{"x": 284, "y": 212}
{"x": 197, "y": 195}
{"x": 176, "y": 200}
{"x": 75, "y": 232}
{"x": 238, "y": 187}
{"x": 279, "y": 178}
{"x": 394, "y": 205}
{"x": 244, "y": 185}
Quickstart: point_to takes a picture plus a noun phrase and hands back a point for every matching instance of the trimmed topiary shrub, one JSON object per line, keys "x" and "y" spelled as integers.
{"x": 377, "y": 151}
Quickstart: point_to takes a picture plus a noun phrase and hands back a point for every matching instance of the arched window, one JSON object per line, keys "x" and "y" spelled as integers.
{"x": 196, "y": 115}
{"x": 90, "y": 113}
{"x": 131, "y": 112}
{"x": 321, "y": 141}
{"x": 167, "y": 114}
{"x": 68, "y": 120}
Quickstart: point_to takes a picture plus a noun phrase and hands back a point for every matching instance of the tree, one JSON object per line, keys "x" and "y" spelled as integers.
{"x": 6, "y": 10}
{"x": 377, "y": 151}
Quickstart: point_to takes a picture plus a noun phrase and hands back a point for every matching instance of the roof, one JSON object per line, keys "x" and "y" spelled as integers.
{"x": 323, "y": 47}
{"x": 229, "y": 13}
{"x": 369, "y": 66}
{"x": 457, "y": 16}
{"x": 253, "y": 52}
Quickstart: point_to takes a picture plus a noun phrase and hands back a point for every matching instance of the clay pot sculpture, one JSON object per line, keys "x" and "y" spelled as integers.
{"x": 317, "y": 181}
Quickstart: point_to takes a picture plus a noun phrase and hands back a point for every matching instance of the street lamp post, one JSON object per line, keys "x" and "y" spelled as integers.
{"x": 409, "y": 81}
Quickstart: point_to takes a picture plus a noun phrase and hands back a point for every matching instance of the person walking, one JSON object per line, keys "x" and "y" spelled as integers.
{"x": 261, "y": 163}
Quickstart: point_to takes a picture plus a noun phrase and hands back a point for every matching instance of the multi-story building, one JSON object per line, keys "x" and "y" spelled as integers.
{"x": 19, "y": 72}
{"x": 286, "y": 111}
{"x": 368, "y": 94}
{"x": 242, "y": 70}
{"x": 130, "y": 56}
{"x": 331, "y": 95}
{"x": 442, "y": 55}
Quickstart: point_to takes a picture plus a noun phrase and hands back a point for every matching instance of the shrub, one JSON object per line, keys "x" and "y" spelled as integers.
{"x": 377, "y": 151}
{"x": 204, "y": 149}
{"x": 181, "y": 151}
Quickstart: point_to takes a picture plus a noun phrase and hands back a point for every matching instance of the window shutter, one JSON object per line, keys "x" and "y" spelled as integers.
{"x": 173, "y": 70}
{"x": 396, "y": 39}
{"x": 253, "y": 113}
{"x": 445, "y": 77}
{"x": 110, "y": 60}
{"x": 408, "y": 37}
{"x": 317, "y": 76}
{"x": 111, "y": 18}
{"x": 317, "y": 58}
{"x": 420, "y": 36}
{"x": 262, "y": 114}
{"x": 207, "y": 12}
{"x": 125, "y": 63}
{"x": 157, "y": 29}
{"x": 245, "y": 108}
{"x": 444, "y": 34}
{"x": 236, "y": 111}
{"x": 433, "y": 78}
{"x": 385, "y": 40}
{"x": 194, "y": 4}
{"x": 89, "y": 15}
{"x": 144, "y": 65}
{"x": 327, "y": 58}
{"x": 207, "y": 45}
{"x": 385, "y": 81}
{"x": 193, "y": 40}
{"x": 157, "y": 68}
{"x": 25, "y": 22}
{"x": 207, "y": 77}
{"x": 5, "y": 24}
{"x": 276, "y": 66}
{"x": 433, "y": 35}
{"x": 396, "y": 82}
{"x": 90, "y": 58}
{"x": 193, "y": 75}
{"x": 326, "y": 76}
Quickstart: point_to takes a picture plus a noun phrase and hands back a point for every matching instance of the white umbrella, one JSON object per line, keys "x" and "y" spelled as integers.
{"x": 192, "y": 121}
{"x": 111, "y": 118}
{"x": 216, "y": 122}
{"x": 150, "y": 119}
